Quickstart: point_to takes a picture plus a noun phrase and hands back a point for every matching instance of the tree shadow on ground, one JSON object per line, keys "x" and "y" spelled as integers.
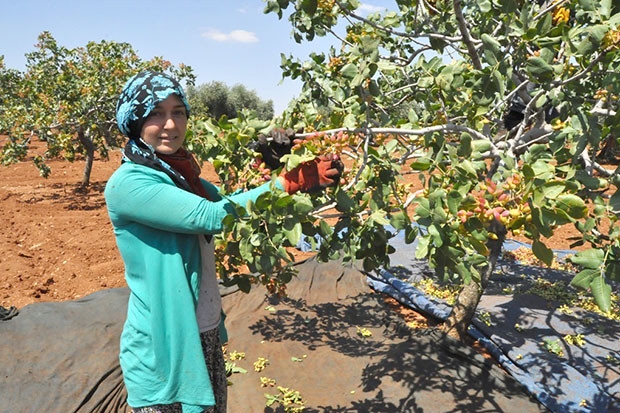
{"x": 400, "y": 370}
{"x": 532, "y": 322}
{"x": 69, "y": 196}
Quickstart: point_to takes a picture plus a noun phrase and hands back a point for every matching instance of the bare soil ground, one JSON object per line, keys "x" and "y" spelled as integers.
{"x": 57, "y": 241}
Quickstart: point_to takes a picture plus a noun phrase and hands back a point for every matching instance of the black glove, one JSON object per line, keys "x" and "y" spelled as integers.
{"x": 274, "y": 146}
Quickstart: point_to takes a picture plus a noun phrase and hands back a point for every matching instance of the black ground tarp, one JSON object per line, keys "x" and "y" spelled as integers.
{"x": 315, "y": 343}
{"x": 333, "y": 340}
{"x": 526, "y": 318}
{"x": 63, "y": 357}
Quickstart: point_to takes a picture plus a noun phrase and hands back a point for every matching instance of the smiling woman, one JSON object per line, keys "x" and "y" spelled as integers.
{"x": 164, "y": 217}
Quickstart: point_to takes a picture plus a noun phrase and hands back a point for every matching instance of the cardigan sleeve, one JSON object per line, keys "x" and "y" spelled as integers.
{"x": 142, "y": 195}
{"x": 212, "y": 190}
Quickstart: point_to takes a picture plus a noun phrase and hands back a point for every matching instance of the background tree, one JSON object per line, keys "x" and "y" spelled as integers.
{"x": 241, "y": 98}
{"x": 67, "y": 98}
{"x": 9, "y": 92}
{"x": 9, "y": 96}
{"x": 424, "y": 87}
{"x": 215, "y": 99}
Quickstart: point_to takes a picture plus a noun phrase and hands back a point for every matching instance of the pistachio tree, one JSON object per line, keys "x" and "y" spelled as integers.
{"x": 439, "y": 78}
{"x": 67, "y": 98}
{"x": 10, "y": 80}
{"x": 500, "y": 108}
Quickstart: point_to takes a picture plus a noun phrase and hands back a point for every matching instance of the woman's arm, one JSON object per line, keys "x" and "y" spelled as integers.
{"x": 150, "y": 198}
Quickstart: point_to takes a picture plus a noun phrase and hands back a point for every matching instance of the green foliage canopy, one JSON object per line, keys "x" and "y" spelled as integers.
{"x": 438, "y": 77}
{"x": 424, "y": 87}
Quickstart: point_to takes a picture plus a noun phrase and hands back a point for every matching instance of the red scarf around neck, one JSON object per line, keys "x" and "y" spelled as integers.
{"x": 184, "y": 163}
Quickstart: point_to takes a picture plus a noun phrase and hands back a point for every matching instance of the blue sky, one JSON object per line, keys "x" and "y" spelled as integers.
{"x": 231, "y": 41}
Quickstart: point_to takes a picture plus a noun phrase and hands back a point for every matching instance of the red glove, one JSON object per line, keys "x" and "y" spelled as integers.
{"x": 312, "y": 176}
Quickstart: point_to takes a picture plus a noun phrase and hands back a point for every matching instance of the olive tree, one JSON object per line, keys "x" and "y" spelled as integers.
{"x": 216, "y": 99}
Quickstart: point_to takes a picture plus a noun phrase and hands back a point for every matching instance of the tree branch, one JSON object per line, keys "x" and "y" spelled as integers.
{"x": 590, "y": 165}
{"x": 449, "y": 127}
{"x": 467, "y": 39}
{"x": 393, "y": 32}
{"x": 529, "y": 109}
{"x": 585, "y": 71}
{"x": 552, "y": 5}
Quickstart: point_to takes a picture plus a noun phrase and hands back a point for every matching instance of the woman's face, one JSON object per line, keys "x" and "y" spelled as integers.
{"x": 164, "y": 128}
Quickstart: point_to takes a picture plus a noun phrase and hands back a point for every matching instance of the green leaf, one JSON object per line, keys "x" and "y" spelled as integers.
{"x": 454, "y": 201}
{"x": 539, "y": 68}
{"x": 439, "y": 215}
{"x": 411, "y": 232}
{"x": 589, "y": 181}
{"x": 592, "y": 39}
{"x": 544, "y": 24}
{"x": 421, "y": 251}
{"x": 542, "y": 252}
{"x": 421, "y": 164}
{"x": 591, "y": 258}
{"x": 373, "y": 88}
{"x": 553, "y": 189}
{"x": 587, "y": 5}
{"x": 423, "y": 210}
{"x": 481, "y": 145}
{"x": 267, "y": 263}
{"x": 485, "y": 6}
{"x": 612, "y": 270}
{"x": 294, "y": 235}
{"x": 528, "y": 172}
{"x": 256, "y": 240}
{"x": 349, "y": 71}
{"x": 492, "y": 48}
{"x": 464, "y": 148}
{"x": 325, "y": 229}
{"x": 379, "y": 217}
{"x": 542, "y": 169}
{"x": 479, "y": 246}
{"x": 602, "y": 293}
{"x": 400, "y": 220}
{"x": 303, "y": 205}
{"x": 614, "y": 202}
{"x": 584, "y": 278}
{"x": 246, "y": 250}
{"x": 350, "y": 121}
{"x": 435, "y": 235}
{"x": 282, "y": 253}
{"x": 605, "y": 9}
{"x": 344, "y": 203}
{"x": 309, "y": 6}
{"x": 467, "y": 167}
{"x": 573, "y": 205}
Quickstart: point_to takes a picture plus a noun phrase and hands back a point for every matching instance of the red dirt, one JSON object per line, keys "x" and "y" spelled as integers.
{"x": 57, "y": 241}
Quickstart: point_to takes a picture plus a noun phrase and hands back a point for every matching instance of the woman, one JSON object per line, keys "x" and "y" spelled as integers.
{"x": 163, "y": 216}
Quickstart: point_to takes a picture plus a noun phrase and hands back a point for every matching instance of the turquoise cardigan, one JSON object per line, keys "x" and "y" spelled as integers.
{"x": 157, "y": 225}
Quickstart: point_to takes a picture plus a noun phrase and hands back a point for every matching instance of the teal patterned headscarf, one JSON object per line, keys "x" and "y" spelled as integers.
{"x": 140, "y": 95}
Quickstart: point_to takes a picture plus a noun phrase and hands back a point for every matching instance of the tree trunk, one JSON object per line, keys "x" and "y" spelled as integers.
{"x": 90, "y": 157}
{"x": 464, "y": 309}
